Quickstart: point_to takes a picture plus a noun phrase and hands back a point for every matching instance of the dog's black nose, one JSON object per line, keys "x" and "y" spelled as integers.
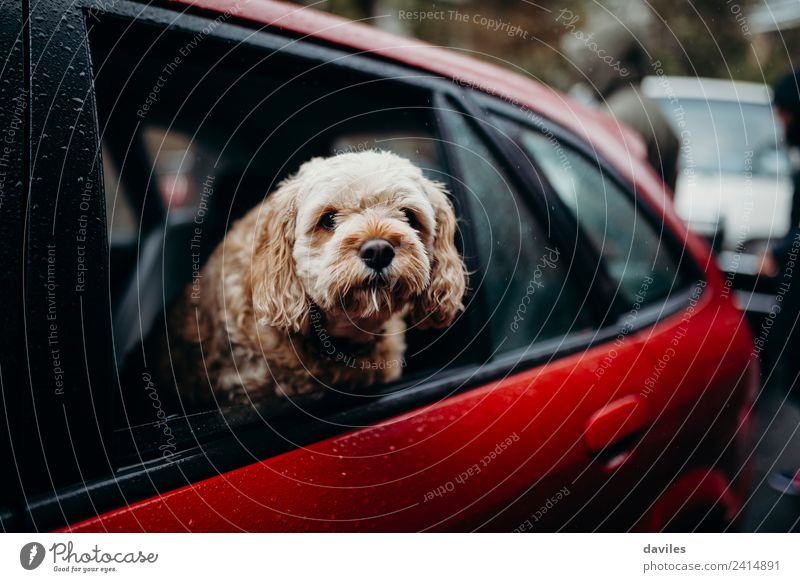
{"x": 376, "y": 253}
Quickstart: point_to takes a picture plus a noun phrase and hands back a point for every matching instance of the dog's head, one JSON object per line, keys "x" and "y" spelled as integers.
{"x": 362, "y": 235}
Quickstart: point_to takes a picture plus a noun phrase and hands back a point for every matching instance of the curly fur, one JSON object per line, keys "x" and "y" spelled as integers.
{"x": 285, "y": 305}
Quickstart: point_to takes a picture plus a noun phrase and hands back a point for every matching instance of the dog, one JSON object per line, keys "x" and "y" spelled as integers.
{"x": 311, "y": 288}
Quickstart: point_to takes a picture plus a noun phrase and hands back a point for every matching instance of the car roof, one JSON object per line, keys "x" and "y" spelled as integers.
{"x": 707, "y": 89}
{"x": 616, "y": 142}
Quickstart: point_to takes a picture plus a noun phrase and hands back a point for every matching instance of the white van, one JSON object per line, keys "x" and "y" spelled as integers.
{"x": 734, "y": 185}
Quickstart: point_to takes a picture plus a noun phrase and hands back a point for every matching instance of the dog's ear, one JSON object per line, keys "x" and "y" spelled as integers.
{"x": 442, "y": 300}
{"x": 279, "y": 299}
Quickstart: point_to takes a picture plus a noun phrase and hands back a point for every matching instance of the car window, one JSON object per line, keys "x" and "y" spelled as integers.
{"x": 524, "y": 275}
{"x": 633, "y": 249}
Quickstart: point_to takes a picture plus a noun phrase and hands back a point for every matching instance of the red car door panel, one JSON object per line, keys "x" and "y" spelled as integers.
{"x": 459, "y": 463}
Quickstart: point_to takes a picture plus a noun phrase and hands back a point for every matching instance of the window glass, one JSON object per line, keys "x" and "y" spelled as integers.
{"x": 633, "y": 251}
{"x": 524, "y": 276}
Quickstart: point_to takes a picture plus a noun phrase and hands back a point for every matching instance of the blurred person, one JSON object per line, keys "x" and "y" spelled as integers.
{"x": 614, "y": 63}
{"x": 781, "y": 261}
{"x": 786, "y": 103}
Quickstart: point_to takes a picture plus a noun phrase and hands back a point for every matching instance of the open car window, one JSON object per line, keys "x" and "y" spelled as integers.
{"x": 190, "y": 159}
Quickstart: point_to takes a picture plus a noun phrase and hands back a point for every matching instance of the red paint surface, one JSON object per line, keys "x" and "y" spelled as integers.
{"x": 444, "y": 466}
{"x": 385, "y": 477}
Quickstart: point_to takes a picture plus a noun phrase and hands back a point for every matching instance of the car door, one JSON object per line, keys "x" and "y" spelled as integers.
{"x": 703, "y": 371}
{"x": 627, "y": 273}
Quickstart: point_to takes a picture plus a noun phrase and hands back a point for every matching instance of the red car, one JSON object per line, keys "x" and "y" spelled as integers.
{"x": 600, "y": 377}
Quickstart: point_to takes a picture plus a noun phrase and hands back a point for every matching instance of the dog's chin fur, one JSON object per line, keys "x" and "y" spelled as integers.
{"x": 372, "y": 297}
{"x": 286, "y": 306}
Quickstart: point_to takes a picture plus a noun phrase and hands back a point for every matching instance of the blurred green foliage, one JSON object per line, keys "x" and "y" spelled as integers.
{"x": 709, "y": 38}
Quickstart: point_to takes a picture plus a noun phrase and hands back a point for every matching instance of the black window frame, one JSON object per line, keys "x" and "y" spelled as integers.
{"x": 16, "y": 407}
{"x": 61, "y": 417}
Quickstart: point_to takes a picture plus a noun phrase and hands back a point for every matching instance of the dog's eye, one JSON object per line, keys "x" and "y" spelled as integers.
{"x": 411, "y": 218}
{"x": 327, "y": 221}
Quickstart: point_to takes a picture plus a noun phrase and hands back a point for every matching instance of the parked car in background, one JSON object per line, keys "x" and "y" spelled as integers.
{"x": 734, "y": 185}
{"x": 600, "y": 377}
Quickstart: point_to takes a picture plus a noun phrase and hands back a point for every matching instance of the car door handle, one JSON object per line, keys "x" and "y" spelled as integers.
{"x": 616, "y": 423}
